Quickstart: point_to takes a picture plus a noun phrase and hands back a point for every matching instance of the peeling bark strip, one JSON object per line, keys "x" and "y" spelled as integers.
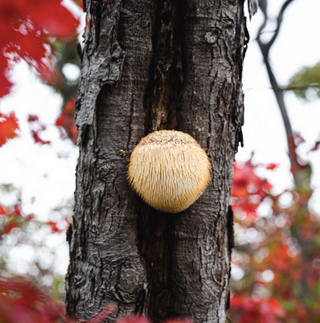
{"x": 151, "y": 65}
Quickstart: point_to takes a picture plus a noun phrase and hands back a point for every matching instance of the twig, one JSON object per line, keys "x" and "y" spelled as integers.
{"x": 279, "y": 23}
{"x": 282, "y": 89}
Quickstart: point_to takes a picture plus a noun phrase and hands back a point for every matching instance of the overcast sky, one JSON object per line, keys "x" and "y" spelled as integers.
{"x": 264, "y": 133}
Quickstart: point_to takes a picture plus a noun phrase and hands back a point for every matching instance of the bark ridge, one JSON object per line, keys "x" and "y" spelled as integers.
{"x": 152, "y": 65}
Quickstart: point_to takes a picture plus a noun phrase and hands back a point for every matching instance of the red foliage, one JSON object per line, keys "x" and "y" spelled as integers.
{"x": 79, "y": 3}
{"x": 53, "y": 226}
{"x": 22, "y": 301}
{"x": 253, "y": 311}
{"x": 3, "y": 210}
{"x": 178, "y": 321}
{"x": 287, "y": 245}
{"x": 25, "y": 30}
{"x": 133, "y": 319}
{"x": 316, "y": 146}
{"x": 294, "y": 141}
{"x": 5, "y": 84}
{"x": 38, "y": 128}
{"x": 25, "y": 27}
{"x": 37, "y": 139}
{"x": 142, "y": 319}
{"x": 12, "y": 218}
{"x": 8, "y": 227}
{"x": 30, "y": 217}
{"x": 65, "y": 120}
{"x": 272, "y": 166}
{"x": 103, "y": 314}
{"x": 248, "y": 190}
{"x": 32, "y": 118}
{"x": 17, "y": 210}
{"x": 8, "y": 126}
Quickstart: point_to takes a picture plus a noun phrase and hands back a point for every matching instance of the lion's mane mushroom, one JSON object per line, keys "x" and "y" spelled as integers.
{"x": 169, "y": 170}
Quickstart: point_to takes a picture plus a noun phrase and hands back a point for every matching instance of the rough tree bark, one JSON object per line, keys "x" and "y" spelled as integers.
{"x": 150, "y": 65}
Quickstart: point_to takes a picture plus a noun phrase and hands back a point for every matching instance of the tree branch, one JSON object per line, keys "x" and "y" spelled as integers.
{"x": 265, "y": 48}
{"x": 279, "y": 23}
{"x": 288, "y": 88}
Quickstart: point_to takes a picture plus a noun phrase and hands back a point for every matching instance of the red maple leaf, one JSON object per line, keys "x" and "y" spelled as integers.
{"x": 32, "y": 118}
{"x": 25, "y": 30}
{"x": 65, "y": 120}
{"x": 8, "y": 127}
{"x": 37, "y": 139}
{"x": 272, "y": 166}
{"x": 53, "y": 226}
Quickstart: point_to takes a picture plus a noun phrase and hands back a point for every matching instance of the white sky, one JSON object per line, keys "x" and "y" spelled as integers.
{"x": 40, "y": 173}
{"x": 296, "y": 46}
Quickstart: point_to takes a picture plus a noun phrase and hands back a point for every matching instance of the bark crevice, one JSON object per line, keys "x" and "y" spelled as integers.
{"x": 162, "y": 100}
{"x": 156, "y": 65}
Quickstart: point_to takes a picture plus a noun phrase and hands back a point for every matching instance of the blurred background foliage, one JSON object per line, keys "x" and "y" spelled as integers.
{"x": 306, "y": 82}
{"x": 276, "y": 258}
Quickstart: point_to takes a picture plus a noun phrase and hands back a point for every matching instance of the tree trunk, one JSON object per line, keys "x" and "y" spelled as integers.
{"x": 151, "y": 65}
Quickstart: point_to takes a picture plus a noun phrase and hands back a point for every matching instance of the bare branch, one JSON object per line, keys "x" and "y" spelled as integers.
{"x": 288, "y": 88}
{"x": 265, "y": 48}
{"x": 279, "y": 23}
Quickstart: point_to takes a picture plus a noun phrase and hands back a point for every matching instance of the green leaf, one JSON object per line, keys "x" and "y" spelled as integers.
{"x": 306, "y": 83}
